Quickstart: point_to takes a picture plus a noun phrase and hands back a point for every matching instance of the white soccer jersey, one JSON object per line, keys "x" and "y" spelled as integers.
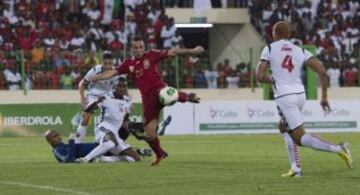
{"x": 113, "y": 111}
{"x": 100, "y": 87}
{"x": 286, "y": 61}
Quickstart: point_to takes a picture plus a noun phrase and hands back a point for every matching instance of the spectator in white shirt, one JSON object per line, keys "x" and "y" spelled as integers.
{"x": 49, "y": 41}
{"x": 177, "y": 40}
{"x": 131, "y": 25}
{"x": 64, "y": 44}
{"x": 96, "y": 31}
{"x": 334, "y": 76}
{"x": 167, "y": 32}
{"x": 349, "y": 43}
{"x": 12, "y": 78}
{"x": 211, "y": 77}
{"x": 93, "y": 13}
{"x": 77, "y": 42}
{"x": 233, "y": 80}
{"x": 123, "y": 35}
{"x": 153, "y": 14}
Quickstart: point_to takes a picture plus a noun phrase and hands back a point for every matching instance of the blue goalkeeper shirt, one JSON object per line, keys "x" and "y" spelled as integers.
{"x": 68, "y": 153}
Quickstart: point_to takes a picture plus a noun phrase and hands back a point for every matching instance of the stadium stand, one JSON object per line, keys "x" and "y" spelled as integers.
{"x": 69, "y": 36}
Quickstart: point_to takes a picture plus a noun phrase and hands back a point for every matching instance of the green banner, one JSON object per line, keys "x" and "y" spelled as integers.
{"x": 311, "y": 79}
{"x": 35, "y": 119}
{"x": 274, "y": 126}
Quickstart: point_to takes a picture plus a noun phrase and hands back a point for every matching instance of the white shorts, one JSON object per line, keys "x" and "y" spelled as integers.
{"x": 290, "y": 107}
{"x": 104, "y": 129}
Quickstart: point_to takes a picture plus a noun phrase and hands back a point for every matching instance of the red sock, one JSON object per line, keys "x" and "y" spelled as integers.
{"x": 155, "y": 146}
{"x": 183, "y": 97}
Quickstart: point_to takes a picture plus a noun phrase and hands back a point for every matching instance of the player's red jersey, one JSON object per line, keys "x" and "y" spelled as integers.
{"x": 144, "y": 71}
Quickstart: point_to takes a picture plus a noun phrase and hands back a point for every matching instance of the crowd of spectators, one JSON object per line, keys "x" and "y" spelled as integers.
{"x": 199, "y": 73}
{"x": 213, "y": 3}
{"x": 332, "y": 25}
{"x": 61, "y": 40}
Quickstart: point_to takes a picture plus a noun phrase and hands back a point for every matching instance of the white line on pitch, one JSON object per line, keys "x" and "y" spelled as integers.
{"x": 51, "y": 188}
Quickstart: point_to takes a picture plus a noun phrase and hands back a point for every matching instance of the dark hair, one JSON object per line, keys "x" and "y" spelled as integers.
{"x": 122, "y": 79}
{"x": 107, "y": 56}
{"x": 137, "y": 38}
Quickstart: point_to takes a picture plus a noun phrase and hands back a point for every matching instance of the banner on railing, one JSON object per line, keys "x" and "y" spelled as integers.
{"x": 35, "y": 119}
{"x": 261, "y": 117}
{"x": 216, "y": 117}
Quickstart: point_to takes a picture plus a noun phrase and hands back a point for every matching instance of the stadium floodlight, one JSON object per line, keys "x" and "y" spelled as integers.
{"x": 199, "y": 25}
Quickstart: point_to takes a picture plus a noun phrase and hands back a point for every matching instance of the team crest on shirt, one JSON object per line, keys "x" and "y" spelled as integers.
{"x": 131, "y": 68}
{"x": 146, "y": 64}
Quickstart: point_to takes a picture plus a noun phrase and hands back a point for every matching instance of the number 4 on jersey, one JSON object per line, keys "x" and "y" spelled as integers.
{"x": 287, "y": 63}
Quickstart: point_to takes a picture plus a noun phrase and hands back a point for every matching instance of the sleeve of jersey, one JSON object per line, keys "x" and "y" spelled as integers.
{"x": 159, "y": 55}
{"x": 90, "y": 74}
{"x": 60, "y": 154}
{"x": 63, "y": 155}
{"x": 308, "y": 55}
{"x": 123, "y": 68}
{"x": 265, "y": 54}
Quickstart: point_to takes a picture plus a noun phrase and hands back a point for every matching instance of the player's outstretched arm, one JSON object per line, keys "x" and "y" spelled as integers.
{"x": 82, "y": 86}
{"x": 105, "y": 75}
{"x": 262, "y": 72}
{"x": 318, "y": 67}
{"x": 92, "y": 107}
{"x": 181, "y": 51}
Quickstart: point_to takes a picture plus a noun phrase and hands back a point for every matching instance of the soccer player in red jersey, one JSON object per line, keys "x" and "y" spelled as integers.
{"x": 143, "y": 70}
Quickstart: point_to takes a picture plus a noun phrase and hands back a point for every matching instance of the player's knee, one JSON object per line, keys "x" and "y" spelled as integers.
{"x": 150, "y": 136}
{"x": 297, "y": 140}
{"x": 110, "y": 143}
{"x": 296, "y": 137}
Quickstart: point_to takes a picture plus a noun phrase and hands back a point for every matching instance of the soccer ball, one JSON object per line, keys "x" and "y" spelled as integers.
{"x": 168, "y": 96}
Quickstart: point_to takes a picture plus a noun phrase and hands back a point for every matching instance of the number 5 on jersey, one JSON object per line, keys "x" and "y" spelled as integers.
{"x": 287, "y": 63}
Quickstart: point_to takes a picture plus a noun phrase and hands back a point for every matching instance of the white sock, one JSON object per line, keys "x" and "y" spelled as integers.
{"x": 319, "y": 144}
{"x": 293, "y": 152}
{"x": 81, "y": 133}
{"x": 111, "y": 159}
{"x": 100, "y": 150}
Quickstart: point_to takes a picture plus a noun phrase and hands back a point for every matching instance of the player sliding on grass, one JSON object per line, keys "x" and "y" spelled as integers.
{"x": 286, "y": 61}
{"x": 69, "y": 153}
{"x": 143, "y": 70}
{"x": 93, "y": 90}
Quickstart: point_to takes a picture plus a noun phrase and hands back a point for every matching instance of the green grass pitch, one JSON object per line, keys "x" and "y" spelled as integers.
{"x": 214, "y": 164}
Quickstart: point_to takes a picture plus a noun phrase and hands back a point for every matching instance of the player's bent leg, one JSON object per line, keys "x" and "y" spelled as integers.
{"x": 150, "y": 129}
{"x": 316, "y": 143}
{"x": 154, "y": 142}
{"x": 81, "y": 130}
{"x": 108, "y": 142}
